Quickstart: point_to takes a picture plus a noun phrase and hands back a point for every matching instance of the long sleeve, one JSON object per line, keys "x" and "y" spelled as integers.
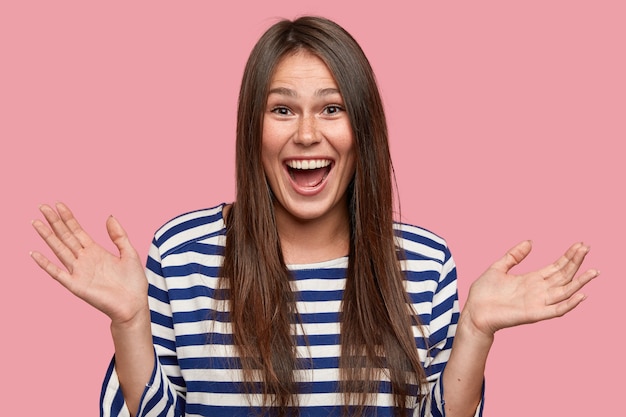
{"x": 195, "y": 370}
{"x": 164, "y": 394}
{"x": 442, "y": 328}
{"x": 431, "y": 284}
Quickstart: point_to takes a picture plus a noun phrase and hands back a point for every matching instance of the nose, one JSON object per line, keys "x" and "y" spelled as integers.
{"x": 307, "y": 133}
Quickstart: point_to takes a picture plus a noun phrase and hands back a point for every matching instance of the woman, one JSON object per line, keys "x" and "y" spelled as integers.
{"x": 303, "y": 297}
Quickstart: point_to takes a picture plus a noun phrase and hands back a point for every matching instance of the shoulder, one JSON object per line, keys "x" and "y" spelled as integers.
{"x": 420, "y": 243}
{"x": 426, "y": 261}
{"x": 190, "y": 227}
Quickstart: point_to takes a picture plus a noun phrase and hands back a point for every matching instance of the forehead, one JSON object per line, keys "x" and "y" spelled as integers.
{"x": 302, "y": 67}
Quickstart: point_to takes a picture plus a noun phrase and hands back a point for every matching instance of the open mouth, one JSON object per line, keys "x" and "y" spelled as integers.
{"x": 309, "y": 172}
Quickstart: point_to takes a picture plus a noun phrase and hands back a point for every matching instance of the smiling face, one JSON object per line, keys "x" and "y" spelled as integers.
{"x": 308, "y": 150}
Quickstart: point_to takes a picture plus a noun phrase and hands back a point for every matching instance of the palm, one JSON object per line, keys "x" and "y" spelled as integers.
{"x": 115, "y": 285}
{"x": 104, "y": 280}
{"x": 500, "y": 299}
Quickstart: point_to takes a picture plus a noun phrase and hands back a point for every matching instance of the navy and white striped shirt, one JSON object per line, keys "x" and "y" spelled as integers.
{"x": 193, "y": 373}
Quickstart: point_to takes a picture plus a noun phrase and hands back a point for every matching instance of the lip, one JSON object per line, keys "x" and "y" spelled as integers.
{"x": 295, "y": 162}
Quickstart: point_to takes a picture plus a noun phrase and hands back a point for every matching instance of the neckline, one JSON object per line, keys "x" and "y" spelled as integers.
{"x": 342, "y": 261}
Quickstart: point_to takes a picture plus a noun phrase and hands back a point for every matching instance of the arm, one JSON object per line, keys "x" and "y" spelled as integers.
{"x": 115, "y": 285}
{"x": 164, "y": 394}
{"x": 441, "y": 324}
{"x": 134, "y": 357}
{"x": 500, "y": 299}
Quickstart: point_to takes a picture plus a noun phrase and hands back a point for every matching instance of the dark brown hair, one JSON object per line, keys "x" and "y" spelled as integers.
{"x": 376, "y": 321}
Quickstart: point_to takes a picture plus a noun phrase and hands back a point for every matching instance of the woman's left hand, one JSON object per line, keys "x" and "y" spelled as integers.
{"x": 500, "y": 299}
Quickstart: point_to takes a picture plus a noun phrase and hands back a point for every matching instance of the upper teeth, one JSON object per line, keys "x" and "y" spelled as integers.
{"x": 308, "y": 164}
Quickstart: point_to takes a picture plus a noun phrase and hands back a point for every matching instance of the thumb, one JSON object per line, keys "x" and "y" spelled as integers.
{"x": 514, "y": 256}
{"x": 120, "y": 238}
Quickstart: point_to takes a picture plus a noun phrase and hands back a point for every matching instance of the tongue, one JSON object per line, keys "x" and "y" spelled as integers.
{"x": 308, "y": 177}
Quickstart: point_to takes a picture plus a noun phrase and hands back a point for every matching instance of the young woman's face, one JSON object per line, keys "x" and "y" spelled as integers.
{"x": 308, "y": 145}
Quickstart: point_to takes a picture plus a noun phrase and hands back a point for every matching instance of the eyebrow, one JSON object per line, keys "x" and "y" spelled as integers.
{"x": 292, "y": 93}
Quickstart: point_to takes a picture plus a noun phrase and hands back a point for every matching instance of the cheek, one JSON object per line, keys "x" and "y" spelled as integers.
{"x": 348, "y": 149}
{"x": 271, "y": 135}
{"x": 343, "y": 132}
{"x": 270, "y": 150}
{"x": 266, "y": 159}
{"x": 350, "y": 152}
{"x": 351, "y": 165}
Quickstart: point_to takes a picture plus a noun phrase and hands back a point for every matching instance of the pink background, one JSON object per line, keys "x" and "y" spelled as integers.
{"x": 507, "y": 121}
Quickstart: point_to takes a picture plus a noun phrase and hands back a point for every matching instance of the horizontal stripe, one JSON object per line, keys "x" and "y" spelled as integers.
{"x": 197, "y": 371}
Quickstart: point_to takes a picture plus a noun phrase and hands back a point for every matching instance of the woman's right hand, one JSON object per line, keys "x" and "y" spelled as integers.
{"x": 115, "y": 285}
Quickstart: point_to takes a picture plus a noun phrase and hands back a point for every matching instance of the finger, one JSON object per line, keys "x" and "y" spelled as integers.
{"x": 576, "y": 261}
{"x": 60, "y": 229}
{"x": 514, "y": 256}
{"x": 120, "y": 238}
{"x": 564, "y": 269}
{"x": 564, "y": 307}
{"x": 564, "y": 292}
{"x": 65, "y": 255}
{"x": 54, "y": 271}
{"x": 72, "y": 224}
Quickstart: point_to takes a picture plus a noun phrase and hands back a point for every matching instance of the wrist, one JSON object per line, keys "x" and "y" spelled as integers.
{"x": 469, "y": 330}
{"x": 138, "y": 322}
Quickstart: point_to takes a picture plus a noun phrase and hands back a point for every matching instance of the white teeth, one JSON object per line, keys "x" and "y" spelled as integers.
{"x": 308, "y": 163}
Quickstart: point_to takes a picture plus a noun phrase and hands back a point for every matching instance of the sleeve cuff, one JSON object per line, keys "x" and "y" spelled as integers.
{"x": 434, "y": 403}
{"x": 440, "y": 399}
{"x": 112, "y": 402}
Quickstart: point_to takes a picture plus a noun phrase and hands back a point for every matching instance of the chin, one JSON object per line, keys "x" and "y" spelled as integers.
{"x": 318, "y": 211}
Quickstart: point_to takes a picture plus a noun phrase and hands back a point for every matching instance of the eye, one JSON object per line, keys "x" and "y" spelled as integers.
{"x": 333, "y": 109}
{"x": 281, "y": 111}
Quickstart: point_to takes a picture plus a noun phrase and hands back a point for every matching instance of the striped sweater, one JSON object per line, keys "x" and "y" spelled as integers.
{"x": 194, "y": 373}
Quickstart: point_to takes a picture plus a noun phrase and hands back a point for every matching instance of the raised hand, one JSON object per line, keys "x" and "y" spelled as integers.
{"x": 114, "y": 284}
{"x": 499, "y": 298}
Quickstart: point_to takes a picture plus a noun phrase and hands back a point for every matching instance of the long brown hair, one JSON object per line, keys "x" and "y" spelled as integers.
{"x": 376, "y": 318}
